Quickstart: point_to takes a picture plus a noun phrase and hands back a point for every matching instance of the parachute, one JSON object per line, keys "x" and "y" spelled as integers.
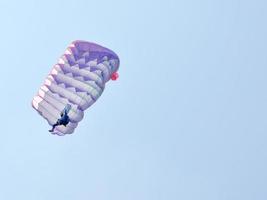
{"x": 75, "y": 83}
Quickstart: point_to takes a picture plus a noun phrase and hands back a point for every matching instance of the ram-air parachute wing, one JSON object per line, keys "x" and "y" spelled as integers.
{"x": 75, "y": 83}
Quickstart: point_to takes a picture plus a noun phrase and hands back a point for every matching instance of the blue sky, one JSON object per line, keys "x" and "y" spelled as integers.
{"x": 186, "y": 119}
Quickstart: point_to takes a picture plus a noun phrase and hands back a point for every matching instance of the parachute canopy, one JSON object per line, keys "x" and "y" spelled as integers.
{"x": 76, "y": 81}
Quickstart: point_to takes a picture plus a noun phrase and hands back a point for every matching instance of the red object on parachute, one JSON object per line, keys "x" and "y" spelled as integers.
{"x": 114, "y": 76}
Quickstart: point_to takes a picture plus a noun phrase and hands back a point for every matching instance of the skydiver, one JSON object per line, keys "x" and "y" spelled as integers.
{"x": 63, "y": 120}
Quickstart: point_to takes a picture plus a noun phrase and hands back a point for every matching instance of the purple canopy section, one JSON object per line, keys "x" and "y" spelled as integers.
{"x": 78, "y": 79}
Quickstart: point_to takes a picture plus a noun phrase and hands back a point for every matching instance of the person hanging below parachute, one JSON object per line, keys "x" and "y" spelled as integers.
{"x": 64, "y": 119}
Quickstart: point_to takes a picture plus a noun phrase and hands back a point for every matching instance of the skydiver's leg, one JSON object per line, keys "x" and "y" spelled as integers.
{"x": 54, "y": 126}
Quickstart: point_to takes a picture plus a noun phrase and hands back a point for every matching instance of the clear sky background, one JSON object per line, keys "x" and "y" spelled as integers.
{"x": 185, "y": 121}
